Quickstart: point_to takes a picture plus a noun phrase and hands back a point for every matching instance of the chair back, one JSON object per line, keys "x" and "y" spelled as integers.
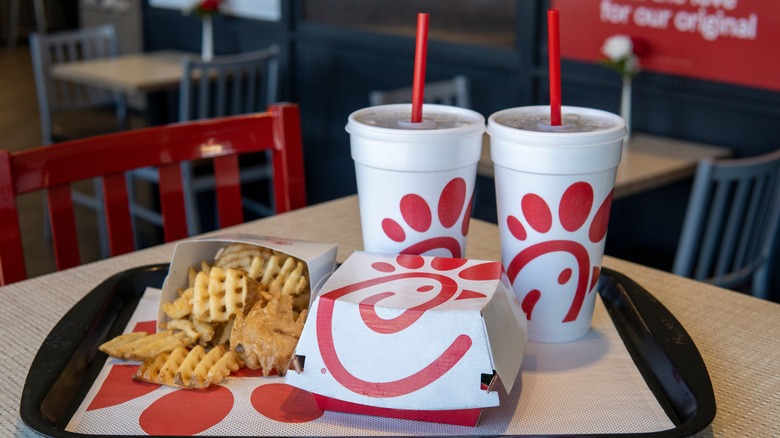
{"x": 48, "y": 49}
{"x": 454, "y": 92}
{"x": 53, "y": 168}
{"x": 228, "y": 85}
{"x": 731, "y": 224}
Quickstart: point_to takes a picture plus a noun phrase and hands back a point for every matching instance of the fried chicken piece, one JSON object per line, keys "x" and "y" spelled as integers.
{"x": 266, "y": 336}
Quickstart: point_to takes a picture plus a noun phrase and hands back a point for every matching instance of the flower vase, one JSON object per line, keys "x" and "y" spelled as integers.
{"x": 207, "y": 45}
{"x": 625, "y": 105}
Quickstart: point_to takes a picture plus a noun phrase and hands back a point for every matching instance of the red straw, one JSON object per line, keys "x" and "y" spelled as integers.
{"x": 554, "y": 56}
{"x": 421, "y": 49}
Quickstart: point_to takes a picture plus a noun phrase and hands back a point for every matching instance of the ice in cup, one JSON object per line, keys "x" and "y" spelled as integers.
{"x": 415, "y": 180}
{"x": 554, "y": 189}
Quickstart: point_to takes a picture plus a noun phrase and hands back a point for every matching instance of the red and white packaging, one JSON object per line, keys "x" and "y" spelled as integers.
{"x": 320, "y": 259}
{"x": 412, "y": 337}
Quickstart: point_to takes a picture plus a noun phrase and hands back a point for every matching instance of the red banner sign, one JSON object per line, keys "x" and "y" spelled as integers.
{"x": 735, "y": 41}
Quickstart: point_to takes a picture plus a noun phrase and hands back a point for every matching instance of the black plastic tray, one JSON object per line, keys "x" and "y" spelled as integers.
{"x": 68, "y": 361}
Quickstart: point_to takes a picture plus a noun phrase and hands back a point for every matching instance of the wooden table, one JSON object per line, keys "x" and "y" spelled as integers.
{"x": 738, "y": 336}
{"x": 648, "y": 162}
{"x": 134, "y": 73}
{"x": 145, "y": 76}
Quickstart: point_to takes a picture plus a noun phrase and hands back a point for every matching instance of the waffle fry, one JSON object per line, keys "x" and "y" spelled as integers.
{"x": 161, "y": 369}
{"x": 222, "y": 335}
{"x": 222, "y": 294}
{"x": 271, "y": 270}
{"x": 191, "y": 369}
{"x": 191, "y": 274}
{"x": 186, "y": 369}
{"x": 283, "y": 275}
{"x": 118, "y": 343}
{"x": 240, "y": 256}
{"x": 229, "y": 362}
{"x": 146, "y": 346}
{"x": 292, "y": 281}
{"x": 212, "y": 368}
{"x": 168, "y": 371}
{"x": 180, "y": 307}
{"x": 186, "y": 326}
{"x": 167, "y": 341}
{"x": 205, "y": 329}
{"x": 149, "y": 371}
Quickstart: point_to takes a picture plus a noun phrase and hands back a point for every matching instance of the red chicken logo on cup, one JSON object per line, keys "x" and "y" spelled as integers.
{"x": 575, "y": 211}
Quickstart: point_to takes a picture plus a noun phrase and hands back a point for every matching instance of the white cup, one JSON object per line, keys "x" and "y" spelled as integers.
{"x": 553, "y": 193}
{"x": 415, "y": 181}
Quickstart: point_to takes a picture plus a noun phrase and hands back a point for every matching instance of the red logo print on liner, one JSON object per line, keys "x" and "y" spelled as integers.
{"x": 284, "y": 403}
{"x": 447, "y": 289}
{"x": 271, "y": 400}
{"x": 119, "y": 386}
{"x": 418, "y": 217}
{"x": 574, "y": 209}
{"x": 205, "y": 408}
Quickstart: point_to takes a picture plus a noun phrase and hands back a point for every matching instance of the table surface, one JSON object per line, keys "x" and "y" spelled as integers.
{"x": 133, "y": 73}
{"x": 648, "y": 162}
{"x": 738, "y": 336}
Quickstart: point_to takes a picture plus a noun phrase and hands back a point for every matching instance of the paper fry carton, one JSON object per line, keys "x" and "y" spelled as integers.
{"x": 320, "y": 259}
{"x": 413, "y": 337}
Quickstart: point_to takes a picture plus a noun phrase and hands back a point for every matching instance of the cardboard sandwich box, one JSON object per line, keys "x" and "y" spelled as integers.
{"x": 414, "y": 337}
{"x": 319, "y": 258}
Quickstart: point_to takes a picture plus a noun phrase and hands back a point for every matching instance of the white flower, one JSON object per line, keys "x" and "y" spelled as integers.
{"x": 619, "y": 50}
{"x": 618, "y": 47}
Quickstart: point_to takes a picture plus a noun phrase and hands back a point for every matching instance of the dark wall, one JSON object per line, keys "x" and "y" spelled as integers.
{"x": 331, "y": 69}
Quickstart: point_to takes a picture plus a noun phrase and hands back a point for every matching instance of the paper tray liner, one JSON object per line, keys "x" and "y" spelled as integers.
{"x": 68, "y": 363}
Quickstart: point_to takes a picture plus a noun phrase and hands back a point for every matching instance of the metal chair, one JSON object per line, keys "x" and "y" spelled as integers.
{"x": 53, "y": 168}
{"x": 731, "y": 224}
{"x": 55, "y": 98}
{"x": 226, "y": 85}
{"x": 453, "y": 92}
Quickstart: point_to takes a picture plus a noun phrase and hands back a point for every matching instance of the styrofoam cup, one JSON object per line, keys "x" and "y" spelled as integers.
{"x": 553, "y": 193}
{"x": 415, "y": 181}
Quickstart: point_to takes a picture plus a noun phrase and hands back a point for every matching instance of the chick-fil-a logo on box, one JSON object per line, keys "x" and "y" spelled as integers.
{"x": 397, "y": 308}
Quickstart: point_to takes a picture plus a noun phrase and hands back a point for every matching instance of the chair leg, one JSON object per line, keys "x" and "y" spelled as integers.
{"x": 100, "y": 211}
{"x": 131, "y": 198}
{"x": 121, "y": 111}
{"x": 190, "y": 199}
{"x": 46, "y": 222}
{"x": 40, "y": 16}
{"x": 13, "y": 30}
{"x": 760, "y": 286}
{"x": 13, "y": 21}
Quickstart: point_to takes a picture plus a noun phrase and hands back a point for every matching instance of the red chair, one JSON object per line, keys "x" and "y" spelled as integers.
{"x": 54, "y": 168}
